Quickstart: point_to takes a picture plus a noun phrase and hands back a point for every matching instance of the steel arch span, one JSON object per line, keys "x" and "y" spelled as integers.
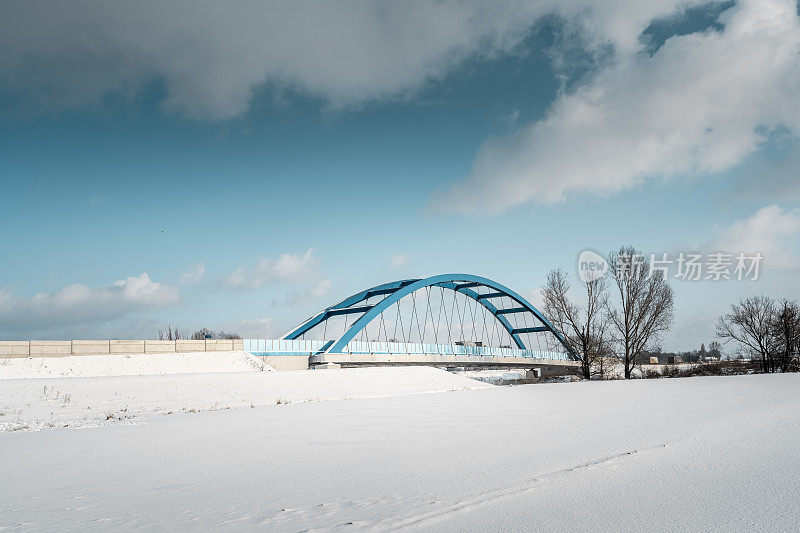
{"x": 480, "y": 289}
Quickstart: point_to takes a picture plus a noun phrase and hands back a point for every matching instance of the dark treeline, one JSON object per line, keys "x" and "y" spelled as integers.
{"x": 623, "y": 314}
{"x": 713, "y": 354}
{"x": 765, "y": 330}
{"x": 174, "y": 333}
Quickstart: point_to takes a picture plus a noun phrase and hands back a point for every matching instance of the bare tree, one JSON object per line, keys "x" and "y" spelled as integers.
{"x": 170, "y": 334}
{"x": 645, "y": 302}
{"x": 205, "y": 333}
{"x": 583, "y": 327}
{"x": 751, "y": 323}
{"x": 786, "y": 333}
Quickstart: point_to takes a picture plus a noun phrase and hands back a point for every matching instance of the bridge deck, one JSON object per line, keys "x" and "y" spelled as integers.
{"x": 552, "y": 366}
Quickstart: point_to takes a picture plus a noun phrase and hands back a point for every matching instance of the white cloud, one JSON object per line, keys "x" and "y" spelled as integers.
{"x": 513, "y": 116}
{"x": 700, "y": 104}
{"x": 772, "y": 231}
{"x": 194, "y": 274}
{"x": 79, "y": 304}
{"x": 289, "y": 268}
{"x": 255, "y": 328}
{"x": 398, "y": 261}
{"x": 536, "y": 297}
{"x": 299, "y": 297}
{"x": 322, "y": 288}
{"x": 213, "y": 57}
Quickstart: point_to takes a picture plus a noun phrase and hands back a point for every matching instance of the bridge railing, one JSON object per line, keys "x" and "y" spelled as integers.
{"x": 308, "y": 347}
{"x": 282, "y": 346}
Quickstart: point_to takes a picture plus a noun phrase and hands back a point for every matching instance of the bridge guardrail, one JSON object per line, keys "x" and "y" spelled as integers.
{"x": 309, "y": 347}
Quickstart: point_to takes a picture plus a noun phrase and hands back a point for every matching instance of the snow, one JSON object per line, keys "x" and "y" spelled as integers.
{"x": 32, "y": 404}
{"x": 129, "y": 365}
{"x": 705, "y": 453}
{"x": 494, "y": 376}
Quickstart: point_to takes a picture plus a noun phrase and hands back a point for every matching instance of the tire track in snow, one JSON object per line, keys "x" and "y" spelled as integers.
{"x": 499, "y": 494}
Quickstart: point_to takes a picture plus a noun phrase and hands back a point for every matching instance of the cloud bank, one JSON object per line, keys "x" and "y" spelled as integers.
{"x": 288, "y": 268}
{"x": 213, "y": 58}
{"x": 194, "y": 274}
{"x": 79, "y": 304}
{"x": 398, "y": 261}
{"x": 700, "y": 104}
{"x": 772, "y": 231}
{"x": 255, "y": 328}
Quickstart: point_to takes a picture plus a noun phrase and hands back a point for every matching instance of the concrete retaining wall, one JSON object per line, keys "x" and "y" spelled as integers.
{"x": 126, "y": 346}
{"x": 90, "y": 348}
{"x": 15, "y": 348}
{"x": 10, "y": 349}
{"x": 221, "y": 345}
{"x": 159, "y": 346}
{"x": 287, "y": 362}
{"x": 190, "y": 345}
{"x": 50, "y": 348}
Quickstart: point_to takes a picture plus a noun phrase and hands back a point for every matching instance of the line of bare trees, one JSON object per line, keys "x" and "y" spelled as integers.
{"x": 174, "y": 334}
{"x": 625, "y": 313}
{"x": 766, "y": 330}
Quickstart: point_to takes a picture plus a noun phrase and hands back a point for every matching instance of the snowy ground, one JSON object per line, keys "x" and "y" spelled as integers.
{"x": 41, "y": 403}
{"x": 129, "y": 365}
{"x": 714, "y": 453}
{"x": 511, "y": 377}
{"x": 494, "y": 376}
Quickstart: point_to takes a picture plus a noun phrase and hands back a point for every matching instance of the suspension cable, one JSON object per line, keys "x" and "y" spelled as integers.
{"x": 414, "y": 313}
{"x": 447, "y": 321}
{"x": 473, "y": 310}
{"x": 439, "y": 319}
{"x": 485, "y": 332}
{"x": 427, "y": 311}
{"x": 460, "y": 319}
{"x": 400, "y": 318}
{"x": 383, "y": 325}
{"x": 452, "y": 318}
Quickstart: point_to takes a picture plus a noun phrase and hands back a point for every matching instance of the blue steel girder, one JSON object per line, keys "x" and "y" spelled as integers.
{"x": 386, "y": 288}
{"x": 531, "y": 330}
{"x": 490, "y": 295}
{"x": 512, "y": 310}
{"x": 395, "y": 291}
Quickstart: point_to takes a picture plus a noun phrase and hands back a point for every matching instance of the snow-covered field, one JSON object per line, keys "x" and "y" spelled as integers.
{"x": 715, "y": 453}
{"x": 510, "y": 376}
{"x": 142, "y": 386}
{"x": 129, "y": 365}
{"x": 494, "y": 376}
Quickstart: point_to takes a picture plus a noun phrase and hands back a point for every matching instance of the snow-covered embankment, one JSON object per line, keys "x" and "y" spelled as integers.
{"x": 92, "y": 390}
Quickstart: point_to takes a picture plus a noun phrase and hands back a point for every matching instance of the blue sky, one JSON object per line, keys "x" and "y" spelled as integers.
{"x": 245, "y": 181}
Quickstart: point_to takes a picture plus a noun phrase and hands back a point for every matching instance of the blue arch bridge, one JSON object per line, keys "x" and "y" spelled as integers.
{"x": 451, "y": 320}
